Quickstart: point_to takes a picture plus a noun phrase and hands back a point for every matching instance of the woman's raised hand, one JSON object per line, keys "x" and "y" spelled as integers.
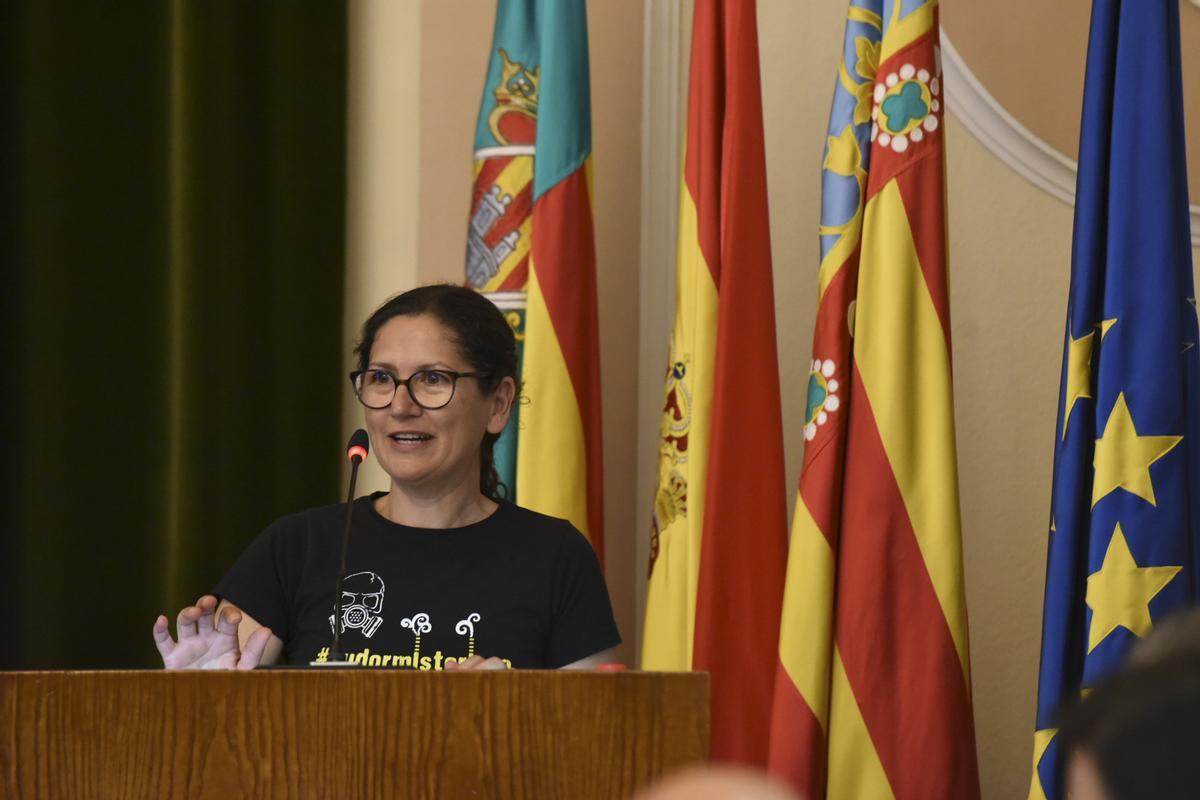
{"x": 208, "y": 640}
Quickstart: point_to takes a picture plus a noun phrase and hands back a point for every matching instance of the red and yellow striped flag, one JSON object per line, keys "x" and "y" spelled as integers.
{"x": 530, "y": 248}
{"x": 720, "y": 519}
{"x": 873, "y": 689}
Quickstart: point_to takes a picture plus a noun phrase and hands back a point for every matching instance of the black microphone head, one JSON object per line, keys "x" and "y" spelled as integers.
{"x": 358, "y": 447}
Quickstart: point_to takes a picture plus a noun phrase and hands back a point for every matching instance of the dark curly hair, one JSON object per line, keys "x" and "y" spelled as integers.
{"x": 483, "y": 337}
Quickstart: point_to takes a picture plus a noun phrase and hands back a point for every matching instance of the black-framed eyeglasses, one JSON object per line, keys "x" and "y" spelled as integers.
{"x": 429, "y": 388}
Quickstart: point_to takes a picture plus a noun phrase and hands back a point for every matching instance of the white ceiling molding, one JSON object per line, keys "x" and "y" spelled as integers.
{"x": 1008, "y": 139}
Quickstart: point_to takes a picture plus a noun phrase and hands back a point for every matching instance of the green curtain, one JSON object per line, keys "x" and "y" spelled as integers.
{"x": 172, "y": 376}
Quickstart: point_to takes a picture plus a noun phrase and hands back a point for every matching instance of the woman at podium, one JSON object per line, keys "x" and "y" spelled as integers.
{"x": 442, "y": 572}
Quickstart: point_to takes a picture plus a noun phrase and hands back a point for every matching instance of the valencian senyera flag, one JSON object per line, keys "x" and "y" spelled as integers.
{"x": 530, "y": 248}
{"x": 718, "y": 538}
{"x": 873, "y": 686}
{"x": 1123, "y": 535}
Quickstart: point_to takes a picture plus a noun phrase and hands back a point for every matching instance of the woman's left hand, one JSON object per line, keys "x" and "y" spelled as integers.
{"x": 476, "y": 662}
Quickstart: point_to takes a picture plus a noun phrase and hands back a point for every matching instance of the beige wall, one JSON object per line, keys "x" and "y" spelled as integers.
{"x": 1044, "y": 92}
{"x": 383, "y": 154}
{"x": 1010, "y": 259}
{"x": 1009, "y": 249}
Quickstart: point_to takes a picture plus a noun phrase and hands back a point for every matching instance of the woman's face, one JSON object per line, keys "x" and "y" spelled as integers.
{"x": 431, "y": 450}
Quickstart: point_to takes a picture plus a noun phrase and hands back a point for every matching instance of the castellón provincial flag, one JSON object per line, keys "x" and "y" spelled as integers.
{"x": 719, "y": 530}
{"x": 873, "y": 687}
{"x": 1124, "y": 537}
{"x": 530, "y": 249}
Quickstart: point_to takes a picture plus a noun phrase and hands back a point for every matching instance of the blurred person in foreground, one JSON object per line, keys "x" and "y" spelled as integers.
{"x": 1178, "y": 636}
{"x": 1137, "y": 734}
{"x": 717, "y": 783}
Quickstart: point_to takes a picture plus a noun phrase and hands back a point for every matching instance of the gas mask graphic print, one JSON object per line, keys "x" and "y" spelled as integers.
{"x": 362, "y": 602}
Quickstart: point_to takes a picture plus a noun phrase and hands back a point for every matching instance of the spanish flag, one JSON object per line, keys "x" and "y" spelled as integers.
{"x": 873, "y": 688}
{"x": 530, "y": 248}
{"x": 718, "y": 538}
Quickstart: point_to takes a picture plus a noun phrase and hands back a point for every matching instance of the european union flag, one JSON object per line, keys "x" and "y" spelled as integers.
{"x": 1123, "y": 529}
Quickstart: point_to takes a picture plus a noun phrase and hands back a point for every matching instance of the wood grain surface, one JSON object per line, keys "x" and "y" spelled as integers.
{"x": 345, "y": 734}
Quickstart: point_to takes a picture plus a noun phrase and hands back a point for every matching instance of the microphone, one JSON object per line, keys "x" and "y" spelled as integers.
{"x": 356, "y": 451}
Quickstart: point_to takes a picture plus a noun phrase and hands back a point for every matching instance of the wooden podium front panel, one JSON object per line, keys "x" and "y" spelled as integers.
{"x": 346, "y": 733}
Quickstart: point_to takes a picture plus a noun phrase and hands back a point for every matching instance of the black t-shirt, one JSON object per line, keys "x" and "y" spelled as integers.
{"x": 518, "y": 585}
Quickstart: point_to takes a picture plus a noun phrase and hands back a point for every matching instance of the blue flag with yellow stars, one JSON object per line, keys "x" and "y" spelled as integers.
{"x": 1123, "y": 526}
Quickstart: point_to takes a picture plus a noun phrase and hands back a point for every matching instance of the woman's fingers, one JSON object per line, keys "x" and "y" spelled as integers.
{"x": 253, "y": 651}
{"x": 492, "y": 663}
{"x": 205, "y": 639}
{"x": 188, "y": 623}
{"x": 185, "y": 623}
{"x": 206, "y": 606}
{"x": 162, "y": 637}
{"x": 227, "y": 623}
{"x": 221, "y": 640}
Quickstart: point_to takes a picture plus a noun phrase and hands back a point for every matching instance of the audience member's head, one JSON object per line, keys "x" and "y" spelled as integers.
{"x": 1137, "y": 734}
{"x": 717, "y": 783}
{"x": 1176, "y": 636}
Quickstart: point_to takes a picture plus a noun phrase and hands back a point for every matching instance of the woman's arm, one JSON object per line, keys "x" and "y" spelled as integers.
{"x": 608, "y": 656}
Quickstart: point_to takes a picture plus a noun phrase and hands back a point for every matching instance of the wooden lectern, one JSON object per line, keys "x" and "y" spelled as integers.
{"x": 346, "y": 733}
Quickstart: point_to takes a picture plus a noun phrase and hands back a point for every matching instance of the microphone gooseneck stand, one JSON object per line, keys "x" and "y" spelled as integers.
{"x": 356, "y": 451}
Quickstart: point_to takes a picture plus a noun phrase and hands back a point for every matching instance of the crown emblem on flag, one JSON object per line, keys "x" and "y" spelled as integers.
{"x": 514, "y": 119}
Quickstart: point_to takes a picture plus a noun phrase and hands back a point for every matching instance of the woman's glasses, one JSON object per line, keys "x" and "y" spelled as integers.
{"x": 429, "y": 388}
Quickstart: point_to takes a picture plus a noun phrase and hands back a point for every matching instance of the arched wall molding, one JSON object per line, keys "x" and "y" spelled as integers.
{"x": 1008, "y": 139}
